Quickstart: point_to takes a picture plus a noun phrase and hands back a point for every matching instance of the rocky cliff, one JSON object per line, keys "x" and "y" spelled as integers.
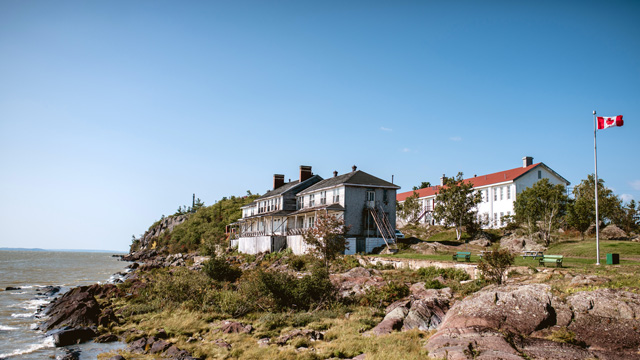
{"x": 147, "y": 241}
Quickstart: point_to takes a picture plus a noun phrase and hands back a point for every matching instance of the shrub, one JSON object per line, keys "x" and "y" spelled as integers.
{"x": 278, "y": 291}
{"x": 493, "y": 265}
{"x": 218, "y": 269}
{"x": 233, "y": 303}
{"x": 182, "y": 288}
{"x": 385, "y": 295}
{"x": 433, "y": 284}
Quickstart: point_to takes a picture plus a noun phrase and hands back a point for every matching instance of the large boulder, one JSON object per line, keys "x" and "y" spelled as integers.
{"x": 425, "y": 311}
{"x": 477, "y": 325}
{"x": 607, "y": 319}
{"x": 514, "y": 322}
{"x": 612, "y": 232}
{"x": 517, "y": 243}
{"x": 356, "y": 281}
{"x": 71, "y": 336}
{"x": 76, "y": 308}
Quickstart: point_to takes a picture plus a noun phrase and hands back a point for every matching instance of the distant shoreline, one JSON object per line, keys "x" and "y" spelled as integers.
{"x": 64, "y": 250}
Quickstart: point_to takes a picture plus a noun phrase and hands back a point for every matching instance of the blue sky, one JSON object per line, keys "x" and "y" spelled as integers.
{"x": 113, "y": 113}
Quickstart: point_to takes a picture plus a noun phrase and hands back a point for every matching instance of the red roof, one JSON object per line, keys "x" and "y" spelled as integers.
{"x": 476, "y": 181}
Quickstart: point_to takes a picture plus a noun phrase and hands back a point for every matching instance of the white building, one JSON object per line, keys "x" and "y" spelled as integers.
{"x": 279, "y": 218}
{"x": 499, "y": 191}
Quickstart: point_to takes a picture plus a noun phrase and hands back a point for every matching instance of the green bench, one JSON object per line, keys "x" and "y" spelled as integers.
{"x": 557, "y": 259}
{"x": 462, "y": 255}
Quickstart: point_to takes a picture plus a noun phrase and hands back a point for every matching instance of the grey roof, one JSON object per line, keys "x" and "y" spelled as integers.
{"x": 291, "y": 185}
{"x": 357, "y": 178}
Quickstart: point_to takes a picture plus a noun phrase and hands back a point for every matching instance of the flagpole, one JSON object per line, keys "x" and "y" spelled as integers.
{"x": 595, "y": 155}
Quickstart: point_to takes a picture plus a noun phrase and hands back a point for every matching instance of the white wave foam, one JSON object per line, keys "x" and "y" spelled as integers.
{"x": 18, "y": 293}
{"x": 34, "y": 304}
{"x": 7, "y": 328}
{"x": 22, "y": 315}
{"x": 47, "y": 343}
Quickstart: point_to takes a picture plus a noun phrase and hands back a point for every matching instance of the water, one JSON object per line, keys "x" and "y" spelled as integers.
{"x": 31, "y": 271}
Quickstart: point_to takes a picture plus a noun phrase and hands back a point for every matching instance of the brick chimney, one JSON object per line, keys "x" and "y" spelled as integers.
{"x": 442, "y": 180}
{"x": 335, "y": 173}
{"x": 278, "y": 180}
{"x": 526, "y": 161}
{"x": 305, "y": 172}
{"x": 354, "y": 168}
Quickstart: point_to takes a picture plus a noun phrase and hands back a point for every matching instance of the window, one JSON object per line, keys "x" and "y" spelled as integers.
{"x": 539, "y": 174}
{"x": 300, "y": 202}
{"x": 502, "y": 219}
{"x": 428, "y": 206}
{"x": 508, "y": 192}
{"x": 495, "y": 194}
{"x": 310, "y": 221}
{"x": 312, "y": 200}
{"x": 495, "y": 218}
{"x": 501, "y": 192}
{"x": 371, "y": 196}
{"x": 336, "y": 196}
{"x": 323, "y": 197}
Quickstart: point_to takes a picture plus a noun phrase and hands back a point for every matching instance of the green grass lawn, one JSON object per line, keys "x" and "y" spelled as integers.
{"x": 576, "y": 253}
{"x": 587, "y": 248}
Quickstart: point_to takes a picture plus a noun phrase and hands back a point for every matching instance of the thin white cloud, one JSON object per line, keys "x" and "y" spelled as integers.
{"x": 635, "y": 184}
{"x": 626, "y": 197}
{"x": 455, "y": 138}
{"x": 406, "y": 150}
{"x": 385, "y": 129}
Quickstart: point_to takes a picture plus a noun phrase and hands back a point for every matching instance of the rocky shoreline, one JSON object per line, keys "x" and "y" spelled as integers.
{"x": 511, "y": 321}
{"x": 85, "y": 313}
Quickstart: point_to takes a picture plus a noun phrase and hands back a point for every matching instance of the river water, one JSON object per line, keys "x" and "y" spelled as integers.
{"x": 31, "y": 271}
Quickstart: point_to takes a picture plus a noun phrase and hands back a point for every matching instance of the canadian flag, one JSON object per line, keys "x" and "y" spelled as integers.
{"x": 607, "y": 122}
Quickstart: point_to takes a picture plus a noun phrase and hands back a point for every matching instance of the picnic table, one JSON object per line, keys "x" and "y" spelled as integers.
{"x": 532, "y": 254}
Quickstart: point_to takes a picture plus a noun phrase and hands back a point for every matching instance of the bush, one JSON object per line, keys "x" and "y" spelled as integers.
{"x": 233, "y": 303}
{"x": 218, "y": 269}
{"x": 385, "y": 295}
{"x": 182, "y": 288}
{"x": 493, "y": 265}
{"x": 277, "y": 291}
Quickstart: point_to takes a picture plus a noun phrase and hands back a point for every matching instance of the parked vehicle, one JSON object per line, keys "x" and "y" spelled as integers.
{"x": 399, "y": 234}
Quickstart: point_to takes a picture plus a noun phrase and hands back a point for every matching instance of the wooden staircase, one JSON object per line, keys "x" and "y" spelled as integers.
{"x": 384, "y": 227}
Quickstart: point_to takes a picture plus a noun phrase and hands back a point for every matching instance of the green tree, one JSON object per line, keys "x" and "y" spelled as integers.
{"x": 494, "y": 265}
{"x": 631, "y": 217}
{"x": 327, "y": 238}
{"x": 424, "y": 184}
{"x": 541, "y": 207}
{"x": 582, "y": 210}
{"x": 410, "y": 209}
{"x": 456, "y": 204}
